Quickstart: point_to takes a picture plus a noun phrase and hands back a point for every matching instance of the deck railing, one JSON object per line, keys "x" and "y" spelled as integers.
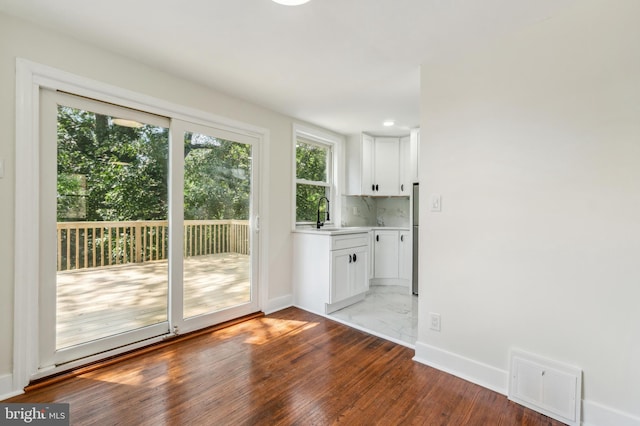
{"x": 97, "y": 244}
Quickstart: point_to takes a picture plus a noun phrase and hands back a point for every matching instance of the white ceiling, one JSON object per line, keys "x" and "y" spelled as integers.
{"x": 345, "y": 65}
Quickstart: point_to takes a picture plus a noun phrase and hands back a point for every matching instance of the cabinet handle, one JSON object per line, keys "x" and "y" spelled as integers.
{"x": 376, "y": 187}
{"x": 402, "y": 238}
{"x": 354, "y": 258}
{"x": 402, "y": 187}
{"x": 377, "y": 237}
{"x": 349, "y": 258}
{"x": 373, "y": 187}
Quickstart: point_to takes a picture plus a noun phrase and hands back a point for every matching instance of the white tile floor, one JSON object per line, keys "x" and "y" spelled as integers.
{"x": 390, "y": 312}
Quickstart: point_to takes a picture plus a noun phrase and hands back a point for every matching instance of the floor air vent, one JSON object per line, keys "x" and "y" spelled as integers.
{"x": 549, "y": 387}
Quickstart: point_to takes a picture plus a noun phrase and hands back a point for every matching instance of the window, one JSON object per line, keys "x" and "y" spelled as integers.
{"x": 318, "y": 172}
{"x": 314, "y": 171}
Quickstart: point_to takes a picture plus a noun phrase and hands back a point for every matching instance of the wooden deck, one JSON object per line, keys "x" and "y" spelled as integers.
{"x": 99, "y": 302}
{"x": 288, "y": 368}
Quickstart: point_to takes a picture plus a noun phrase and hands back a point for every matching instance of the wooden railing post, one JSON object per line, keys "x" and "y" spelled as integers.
{"x": 138, "y": 242}
{"x": 83, "y": 245}
{"x": 236, "y": 240}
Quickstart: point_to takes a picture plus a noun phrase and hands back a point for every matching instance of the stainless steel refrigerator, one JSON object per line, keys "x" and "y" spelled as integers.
{"x": 416, "y": 223}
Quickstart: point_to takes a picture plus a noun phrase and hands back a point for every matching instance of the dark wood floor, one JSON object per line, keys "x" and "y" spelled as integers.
{"x": 288, "y": 368}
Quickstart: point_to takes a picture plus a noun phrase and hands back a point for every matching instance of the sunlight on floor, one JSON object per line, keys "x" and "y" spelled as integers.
{"x": 274, "y": 326}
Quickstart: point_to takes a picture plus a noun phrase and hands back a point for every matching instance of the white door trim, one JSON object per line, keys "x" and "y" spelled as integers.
{"x": 30, "y": 77}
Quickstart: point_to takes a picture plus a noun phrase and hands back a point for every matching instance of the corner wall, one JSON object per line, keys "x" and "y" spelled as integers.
{"x": 534, "y": 145}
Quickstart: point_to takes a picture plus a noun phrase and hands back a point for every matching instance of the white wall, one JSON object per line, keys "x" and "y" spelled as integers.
{"x": 21, "y": 39}
{"x": 534, "y": 144}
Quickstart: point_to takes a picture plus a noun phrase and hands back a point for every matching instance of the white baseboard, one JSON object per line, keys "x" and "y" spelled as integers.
{"x": 593, "y": 413}
{"x": 468, "y": 369}
{"x": 278, "y": 304}
{"x": 6, "y": 387}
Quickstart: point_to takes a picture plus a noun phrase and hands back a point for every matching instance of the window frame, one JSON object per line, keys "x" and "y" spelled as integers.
{"x": 335, "y": 145}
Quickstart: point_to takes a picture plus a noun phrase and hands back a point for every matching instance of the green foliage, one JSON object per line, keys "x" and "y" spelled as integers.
{"x": 124, "y": 169}
{"x": 311, "y": 162}
{"x": 217, "y": 181}
{"x": 307, "y": 197}
{"x": 311, "y": 166}
{"x": 108, "y": 172}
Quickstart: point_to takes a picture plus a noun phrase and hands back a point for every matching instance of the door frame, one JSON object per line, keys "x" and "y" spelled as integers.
{"x": 30, "y": 77}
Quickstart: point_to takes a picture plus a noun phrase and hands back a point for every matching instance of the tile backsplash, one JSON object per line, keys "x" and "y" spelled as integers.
{"x": 370, "y": 211}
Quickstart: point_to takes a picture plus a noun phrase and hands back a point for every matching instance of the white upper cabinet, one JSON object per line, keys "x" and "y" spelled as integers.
{"x": 386, "y": 169}
{"x": 381, "y": 166}
{"x": 406, "y": 176}
{"x": 367, "y": 175}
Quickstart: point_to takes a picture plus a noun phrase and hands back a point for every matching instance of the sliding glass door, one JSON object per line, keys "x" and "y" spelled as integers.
{"x": 146, "y": 227}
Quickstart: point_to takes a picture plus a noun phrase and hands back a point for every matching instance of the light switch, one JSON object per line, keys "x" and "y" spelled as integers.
{"x": 436, "y": 203}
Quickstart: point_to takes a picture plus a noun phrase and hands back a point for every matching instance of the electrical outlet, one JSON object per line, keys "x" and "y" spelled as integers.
{"x": 435, "y": 321}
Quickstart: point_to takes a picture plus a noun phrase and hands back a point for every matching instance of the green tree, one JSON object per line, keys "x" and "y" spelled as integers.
{"x": 108, "y": 172}
{"x": 217, "y": 182}
{"x": 312, "y": 169}
{"x": 124, "y": 168}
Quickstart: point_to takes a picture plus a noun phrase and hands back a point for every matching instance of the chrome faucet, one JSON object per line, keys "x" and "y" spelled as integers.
{"x": 326, "y": 213}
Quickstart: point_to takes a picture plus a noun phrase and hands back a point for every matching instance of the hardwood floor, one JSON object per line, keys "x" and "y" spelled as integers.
{"x": 288, "y": 368}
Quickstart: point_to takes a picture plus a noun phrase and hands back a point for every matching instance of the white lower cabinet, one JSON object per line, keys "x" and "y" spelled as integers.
{"x": 405, "y": 257}
{"x": 385, "y": 246}
{"x": 349, "y": 273}
{"x": 392, "y": 257}
{"x": 330, "y": 271}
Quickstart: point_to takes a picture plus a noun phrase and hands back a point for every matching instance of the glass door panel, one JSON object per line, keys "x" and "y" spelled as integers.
{"x": 111, "y": 239}
{"x": 217, "y": 212}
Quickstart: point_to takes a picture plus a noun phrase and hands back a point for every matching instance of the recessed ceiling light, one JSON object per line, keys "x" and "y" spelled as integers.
{"x": 291, "y": 2}
{"x": 388, "y": 123}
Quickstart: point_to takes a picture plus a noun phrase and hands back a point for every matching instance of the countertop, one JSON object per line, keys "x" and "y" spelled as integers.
{"x": 337, "y": 230}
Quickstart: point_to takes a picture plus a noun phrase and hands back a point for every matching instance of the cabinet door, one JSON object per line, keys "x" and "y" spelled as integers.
{"x": 360, "y": 270}
{"x": 404, "y": 256}
{"x": 340, "y": 274}
{"x": 406, "y": 177}
{"x": 386, "y": 166}
{"x": 368, "y": 186}
{"x": 385, "y": 245}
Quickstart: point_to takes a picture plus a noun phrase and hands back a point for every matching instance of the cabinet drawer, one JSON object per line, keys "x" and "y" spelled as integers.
{"x": 350, "y": 240}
